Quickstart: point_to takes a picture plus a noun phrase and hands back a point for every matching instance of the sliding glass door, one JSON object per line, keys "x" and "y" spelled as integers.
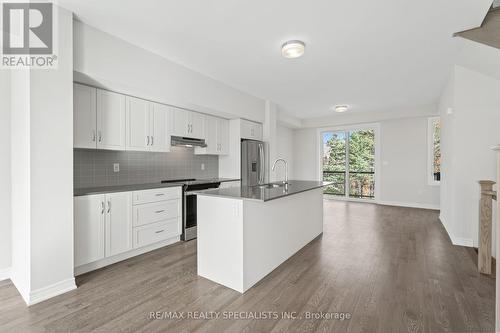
{"x": 349, "y": 162}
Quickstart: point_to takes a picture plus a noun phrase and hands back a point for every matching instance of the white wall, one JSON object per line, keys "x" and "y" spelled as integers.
{"x": 404, "y": 169}
{"x": 42, "y": 173}
{"x": 20, "y": 180}
{"x": 305, "y": 154}
{"x": 5, "y": 220}
{"x": 472, "y": 131}
{"x": 403, "y": 145}
{"x": 112, "y": 63}
{"x": 52, "y": 165}
{"x": 284, "y": 150}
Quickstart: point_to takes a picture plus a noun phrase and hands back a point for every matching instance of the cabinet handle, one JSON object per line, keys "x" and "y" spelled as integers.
{"x": 159, "y": 231}
{"x": 102, "y": 207}
{"x": 160, "y": 211}
{"x": 93, "y": 136}
{"x": 160, "y": 194}
{"x": 109, "y": 206}
{"x": 152, "y": 140}
{"x": 100, "y": 136}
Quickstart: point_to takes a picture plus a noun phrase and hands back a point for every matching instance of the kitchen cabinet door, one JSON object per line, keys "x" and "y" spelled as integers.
{"x": 180, "y": 122}
{"x": 138, "y": 124}
{"x": 89, "y": 231}
{"x": 223, "y": 136}
{"x": 257, "y": 131}
{"x": 118, "y": 223}
{"x": 111, "y": 120}
{"x": 85, "y": 117}
{"x": 251, "y": 130}
{"x": 160, "y": 115}
{"x": 211, "y": 135}
{"x": 197, "y": 122}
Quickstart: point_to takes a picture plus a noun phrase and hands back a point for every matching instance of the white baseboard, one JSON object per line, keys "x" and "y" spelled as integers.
{"x": 123, "y": 256}
{"x": 4, "y": 273}
{"x": 409, "y": 205}
{"x": 53, "y": 290}
{"x": 460, "y": 241}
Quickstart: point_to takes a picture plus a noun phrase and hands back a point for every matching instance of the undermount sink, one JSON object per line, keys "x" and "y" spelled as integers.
{"x": 272, "y": 185}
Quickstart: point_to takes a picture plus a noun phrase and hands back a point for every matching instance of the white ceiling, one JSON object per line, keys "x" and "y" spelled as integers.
{"x": 371, "y": 55}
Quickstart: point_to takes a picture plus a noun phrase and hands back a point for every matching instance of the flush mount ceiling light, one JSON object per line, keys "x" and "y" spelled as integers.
{"x": 293, "y": 49}
{"x": 340, "y": 108}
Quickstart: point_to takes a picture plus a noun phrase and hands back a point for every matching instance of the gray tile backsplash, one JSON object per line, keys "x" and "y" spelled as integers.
{"x": 95, "y": 167}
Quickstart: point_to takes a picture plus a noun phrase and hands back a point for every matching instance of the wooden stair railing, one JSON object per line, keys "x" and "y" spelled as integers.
{"x": 485, "y": 225}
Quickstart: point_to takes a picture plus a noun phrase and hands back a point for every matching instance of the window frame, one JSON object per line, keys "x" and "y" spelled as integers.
{"x": 347, "y": 128}
{"x": 430, "y": 151}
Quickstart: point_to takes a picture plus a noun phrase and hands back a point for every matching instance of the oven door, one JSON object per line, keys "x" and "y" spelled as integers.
{"x": 190, "y": 216}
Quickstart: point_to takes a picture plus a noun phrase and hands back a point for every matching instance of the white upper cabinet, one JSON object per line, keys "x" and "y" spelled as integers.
{"x": 138, "y": 124}
{"x": 111, "y": 120}
{"x": 160, "y": 116}
{"x": 197, "y": 125}
{"x": 223, "y": 136}
{"x": 180, "y": 122}
{"x": 85, "y": 117}
{"x": 216, "y": 136}
{"x": 210, "y": 137}
{"x": 147, "y": 126}
{"x": 188, "y": 124}
{"x": 118, "y": 223}
{"x": 251, "y": 130}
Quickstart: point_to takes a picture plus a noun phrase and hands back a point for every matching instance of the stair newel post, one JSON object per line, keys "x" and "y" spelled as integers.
{"x": 497, "y": 299}
{"x": 485, "y": 226}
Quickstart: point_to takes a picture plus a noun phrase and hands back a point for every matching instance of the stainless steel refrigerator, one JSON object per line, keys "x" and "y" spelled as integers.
{"x": 253, "y": 162}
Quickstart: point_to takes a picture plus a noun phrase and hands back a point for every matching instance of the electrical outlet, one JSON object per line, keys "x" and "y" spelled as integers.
{"x": 202, "y": 166}
{"x": 116, "y": 167}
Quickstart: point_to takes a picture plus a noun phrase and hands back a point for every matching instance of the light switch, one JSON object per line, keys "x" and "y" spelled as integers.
{"x": 202, "y": 166}
{"x": 116, "y": 167}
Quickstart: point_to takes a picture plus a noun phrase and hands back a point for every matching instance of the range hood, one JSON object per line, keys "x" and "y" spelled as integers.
{"x": 187, "y": 142}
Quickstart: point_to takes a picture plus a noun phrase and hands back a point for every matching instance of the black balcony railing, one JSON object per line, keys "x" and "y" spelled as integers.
{"x": 361, "y": 183}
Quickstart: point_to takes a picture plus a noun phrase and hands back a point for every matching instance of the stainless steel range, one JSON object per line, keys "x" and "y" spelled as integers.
{"x": 189, "y": 218}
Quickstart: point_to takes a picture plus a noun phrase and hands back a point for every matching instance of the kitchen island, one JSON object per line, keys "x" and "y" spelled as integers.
{"x": 245, "y": 232}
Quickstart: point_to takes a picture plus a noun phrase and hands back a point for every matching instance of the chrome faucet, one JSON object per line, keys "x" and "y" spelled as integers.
{"x": 286, "y": 168}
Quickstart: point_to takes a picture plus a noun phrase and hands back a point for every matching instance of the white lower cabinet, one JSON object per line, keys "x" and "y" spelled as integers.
{"x": 89, "y": 229}
{"x": 155, "y": 232}
{"x": 156, "y": 211}
{"x": 118, "y": 223}
{"x": 113, "y": 224}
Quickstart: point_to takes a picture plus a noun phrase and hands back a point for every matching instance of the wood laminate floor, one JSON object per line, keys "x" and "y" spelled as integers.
{"x": 392, "y": 269}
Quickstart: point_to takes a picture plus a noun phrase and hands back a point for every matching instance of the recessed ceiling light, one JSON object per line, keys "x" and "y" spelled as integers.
{"x": 340, "y": 108}
{"x": 293, "y": 49}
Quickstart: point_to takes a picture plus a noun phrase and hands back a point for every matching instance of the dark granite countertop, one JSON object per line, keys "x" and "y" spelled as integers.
{"x": 139, "y": 187}
{"x": 265, "y": 194}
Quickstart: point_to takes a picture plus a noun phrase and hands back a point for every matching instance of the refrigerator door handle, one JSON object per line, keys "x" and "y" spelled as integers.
{"x": 262, "y": 164}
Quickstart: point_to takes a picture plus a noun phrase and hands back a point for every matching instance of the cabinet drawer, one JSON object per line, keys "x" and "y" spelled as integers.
{"x": 157, "y": 211}
{"x": 156, "y": 232}
{"x": 161, "y": 194}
